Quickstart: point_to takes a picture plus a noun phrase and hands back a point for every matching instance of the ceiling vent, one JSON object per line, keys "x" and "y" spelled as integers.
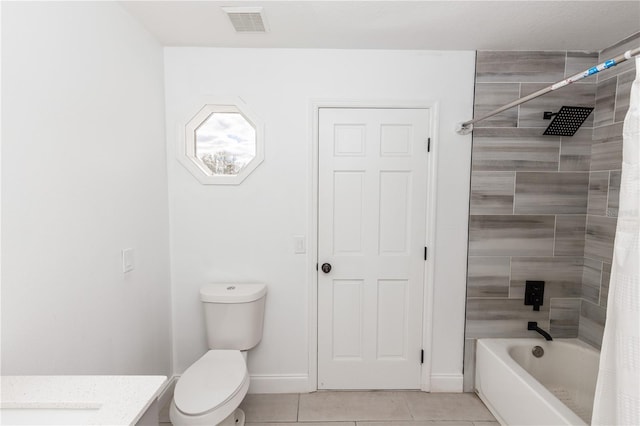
{"x": 247, "y": 19}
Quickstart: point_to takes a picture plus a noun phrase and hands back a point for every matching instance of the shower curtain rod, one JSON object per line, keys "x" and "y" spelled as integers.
{"x": 467, "y": 127}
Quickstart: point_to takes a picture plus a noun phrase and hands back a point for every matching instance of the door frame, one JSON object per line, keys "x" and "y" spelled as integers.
{"x": 312, "y": 252}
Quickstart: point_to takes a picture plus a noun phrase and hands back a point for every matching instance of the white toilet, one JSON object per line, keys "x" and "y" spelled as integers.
{"x": 210, "y": 391}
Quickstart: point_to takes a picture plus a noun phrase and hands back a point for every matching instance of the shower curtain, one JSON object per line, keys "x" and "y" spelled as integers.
{"x": 617, "y": 399}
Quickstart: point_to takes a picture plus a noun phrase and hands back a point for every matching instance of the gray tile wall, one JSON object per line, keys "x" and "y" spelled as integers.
{"x": 543, "y": 208}
{"x": 612, "y": 103}
{"x": 529, "y": 198}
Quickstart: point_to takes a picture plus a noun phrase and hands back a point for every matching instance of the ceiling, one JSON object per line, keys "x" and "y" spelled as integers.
{"x": 432, "y": 25}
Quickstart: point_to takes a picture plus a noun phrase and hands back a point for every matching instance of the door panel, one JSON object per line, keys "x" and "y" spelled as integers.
{"x": 371, "y": 229}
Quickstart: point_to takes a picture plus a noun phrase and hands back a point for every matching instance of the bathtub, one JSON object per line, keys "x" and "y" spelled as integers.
{"x": 520, "y": 389}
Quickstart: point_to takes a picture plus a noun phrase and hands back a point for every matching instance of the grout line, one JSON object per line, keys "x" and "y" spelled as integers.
{"x": 615, "y": 98}
{"x": 518, "y": 110}
{"x": 406, "y": 403}
{"x": 540, "y": 171}
{"x": 560, "y": 153}
{"x": 606, "y": 204}
{"x": 298, "y": 410}
{"x": 509, "y": 288}
{"x": 555, "y": 235}
{"x": 600, "y": 284}
{"x": 515, "y": 178}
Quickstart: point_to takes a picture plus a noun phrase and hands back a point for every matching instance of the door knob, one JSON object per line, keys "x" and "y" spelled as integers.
{"x": 326, "y": 268}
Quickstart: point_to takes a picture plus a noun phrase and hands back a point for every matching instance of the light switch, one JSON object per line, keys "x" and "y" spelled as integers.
{"x": 299, "y": 244}
{"x": 127, "y": 260}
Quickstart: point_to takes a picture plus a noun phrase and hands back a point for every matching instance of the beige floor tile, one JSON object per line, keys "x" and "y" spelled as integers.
{"x": 417, "y": 423}
{"x": 447, "y": 406}
{"x": 163, "y": 415}
{"x": 486, "y": 424}
{"x": 270, "y": 407}
{"x": 340, "y": 406}
{"x": 304, "y": 424}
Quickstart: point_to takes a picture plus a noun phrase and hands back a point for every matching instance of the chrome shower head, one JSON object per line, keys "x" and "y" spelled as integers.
{"x": 567, "y": 121}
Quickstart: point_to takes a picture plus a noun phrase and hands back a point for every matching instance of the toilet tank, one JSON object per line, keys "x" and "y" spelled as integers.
{"x": 234, "y": 314}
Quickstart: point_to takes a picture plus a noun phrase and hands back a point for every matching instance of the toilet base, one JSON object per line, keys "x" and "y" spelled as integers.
{"x": 235, "y": 419}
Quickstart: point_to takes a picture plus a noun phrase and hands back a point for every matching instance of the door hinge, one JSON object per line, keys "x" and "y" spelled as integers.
{"x": 428, "y": 144}
{"x": 422, "y": 356}
{"x": 425, "y": 253}
{"x": 316, "y": 266}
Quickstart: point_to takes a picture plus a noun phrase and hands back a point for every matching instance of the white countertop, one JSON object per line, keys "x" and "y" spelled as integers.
{"x": 93, "y": 400}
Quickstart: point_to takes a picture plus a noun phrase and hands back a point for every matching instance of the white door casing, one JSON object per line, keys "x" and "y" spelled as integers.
{"x": 372, "y": 179}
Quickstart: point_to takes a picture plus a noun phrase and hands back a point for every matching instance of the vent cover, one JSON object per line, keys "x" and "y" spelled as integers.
{"x": 247, "y": 19}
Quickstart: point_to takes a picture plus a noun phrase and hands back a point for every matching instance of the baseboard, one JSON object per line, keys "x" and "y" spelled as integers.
{"x": 447, "y": 383}
{"x": 299, "y": 383}
{"x": 279, "y": 383}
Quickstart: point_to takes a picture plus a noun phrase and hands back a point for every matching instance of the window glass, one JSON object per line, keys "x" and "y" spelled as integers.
{"x": 225, "y": 143}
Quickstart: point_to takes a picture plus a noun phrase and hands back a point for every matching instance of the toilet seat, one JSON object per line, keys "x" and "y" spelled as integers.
{"x": 211, "y": 382}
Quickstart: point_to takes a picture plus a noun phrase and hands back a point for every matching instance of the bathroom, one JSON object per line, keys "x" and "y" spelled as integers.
{"x": 94, "y": 96}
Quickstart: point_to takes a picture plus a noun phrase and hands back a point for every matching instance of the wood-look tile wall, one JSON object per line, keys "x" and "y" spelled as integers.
{"x": 542, "y": 207}
{"x": 529, "y": 195}
{"x": 612, "y": 103}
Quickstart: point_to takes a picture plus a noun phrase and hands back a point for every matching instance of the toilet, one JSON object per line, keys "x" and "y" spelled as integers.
{"x": 210, "y": 391}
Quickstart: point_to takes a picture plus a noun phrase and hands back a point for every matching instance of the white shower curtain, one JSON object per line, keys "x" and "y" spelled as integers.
{"x": 617, "y": 400}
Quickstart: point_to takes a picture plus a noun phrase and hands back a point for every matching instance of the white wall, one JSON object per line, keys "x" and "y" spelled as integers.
{"x": 245, "y": 232}
{"x": 83, "y": 176}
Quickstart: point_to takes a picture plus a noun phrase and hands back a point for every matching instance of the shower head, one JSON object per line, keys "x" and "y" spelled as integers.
{"x": 567, "y": 121}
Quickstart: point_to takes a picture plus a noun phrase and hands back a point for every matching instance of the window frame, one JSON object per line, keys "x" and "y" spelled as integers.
{"x": 187, "y": 155}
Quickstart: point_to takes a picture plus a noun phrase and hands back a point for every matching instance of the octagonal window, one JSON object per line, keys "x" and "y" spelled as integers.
{"x": 223, "y": 144}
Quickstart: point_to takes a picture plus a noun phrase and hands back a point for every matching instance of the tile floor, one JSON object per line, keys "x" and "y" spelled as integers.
{"x": 375, "y": 408}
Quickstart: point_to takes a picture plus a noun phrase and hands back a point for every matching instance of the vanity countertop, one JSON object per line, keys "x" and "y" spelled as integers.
{"x": 101, "y": 400}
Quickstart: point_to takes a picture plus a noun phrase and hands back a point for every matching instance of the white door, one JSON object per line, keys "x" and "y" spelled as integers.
{"x": 372, "y": 231}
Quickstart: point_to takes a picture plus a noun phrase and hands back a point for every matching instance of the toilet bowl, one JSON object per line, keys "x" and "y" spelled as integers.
{"x": 210, "y": 391}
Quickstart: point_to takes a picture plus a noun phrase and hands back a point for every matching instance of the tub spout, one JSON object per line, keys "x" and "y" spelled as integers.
{"x": 532, "y": 325}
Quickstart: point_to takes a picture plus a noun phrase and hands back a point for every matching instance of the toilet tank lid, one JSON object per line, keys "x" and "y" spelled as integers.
{"x": 232, "y": 292}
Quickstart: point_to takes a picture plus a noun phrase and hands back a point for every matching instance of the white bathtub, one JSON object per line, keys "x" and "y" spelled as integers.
{"x": 520, "y": 389}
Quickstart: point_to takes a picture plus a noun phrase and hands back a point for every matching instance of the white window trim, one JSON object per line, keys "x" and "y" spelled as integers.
{"x": 187, "y": 148}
